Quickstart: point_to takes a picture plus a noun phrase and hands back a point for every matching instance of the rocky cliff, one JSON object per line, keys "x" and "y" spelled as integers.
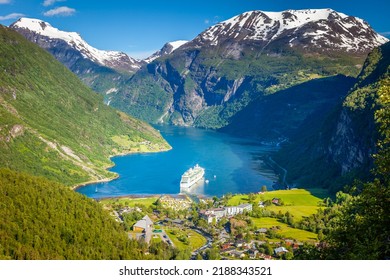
{"x": 341, "y": 147}
{"x": 207, "y": 81}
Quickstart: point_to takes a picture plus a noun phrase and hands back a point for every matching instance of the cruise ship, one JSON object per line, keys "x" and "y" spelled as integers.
{"x": 190, "y": 178}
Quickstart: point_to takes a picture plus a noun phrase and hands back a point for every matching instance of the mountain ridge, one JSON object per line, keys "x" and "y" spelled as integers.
{"x": 208, "y": 80}
{"x": 340, "y": 149}
{"x": 311, "y": 26}
{"x": 54, "y": 126}
{"x": 113, "y": 59}
{"x": 167, "y": 49}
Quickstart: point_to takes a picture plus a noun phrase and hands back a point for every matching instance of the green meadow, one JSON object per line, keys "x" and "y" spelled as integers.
{"x": 185, "y": 238}
{"x": 129, "y": 201}
{"x": 284, "y": 230}
{"x": 298, "y": 202}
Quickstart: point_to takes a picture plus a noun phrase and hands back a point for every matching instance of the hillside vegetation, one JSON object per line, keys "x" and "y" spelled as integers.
{"x": 332, "y": 151}
{"x": 298, "y": 202}
{"x": 52, "y": 125}
{"x": 46, "y": 220}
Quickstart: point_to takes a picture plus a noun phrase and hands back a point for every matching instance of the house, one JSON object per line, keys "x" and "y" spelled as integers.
{"x": 275, "y": 201}
{"x": 261, "y": 204}
{"x": 289, "y": 242}
{"x": 219, "y": 213}
{"x": 143, "y": 229}
{"x": 264, "y": 257}
{"x": 240, "y": 243}
{"x": 229, "y": 211}
{"x": 225, "y": 246}
{"x": 252, "y": 254}
{"x": 145, "y": 224}
{"x": 237, "y": 254}
{"x": 280, "y": 250}
{"x": 213, "y": 214}
{"x": 245, "y": 207}
{"x": 261, "y": 230}
{"x": 207, "y": 215}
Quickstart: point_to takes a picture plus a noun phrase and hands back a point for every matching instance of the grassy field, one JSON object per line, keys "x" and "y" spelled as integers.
{"x": 285, "y": 230}
{"x": 195, "y": 239}
{"x": 298, "y": 202}
{"x": 129, "y": 201}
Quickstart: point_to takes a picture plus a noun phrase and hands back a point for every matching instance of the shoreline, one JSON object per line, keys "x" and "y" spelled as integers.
{"x": 272, "y": 165}
{"x": 131, "y": 196}
{"x": 116, "y": 175}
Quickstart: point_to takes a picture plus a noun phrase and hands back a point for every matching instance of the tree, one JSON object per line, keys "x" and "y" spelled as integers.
{"x": 251, "y": 197}
{"x": 212, "y": 253}
{"x": 264, "y": 188}
{"x": 361, "y": 228}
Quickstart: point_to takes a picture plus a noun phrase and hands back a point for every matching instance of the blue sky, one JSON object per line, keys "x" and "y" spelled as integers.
{"x": 139, "y": 27}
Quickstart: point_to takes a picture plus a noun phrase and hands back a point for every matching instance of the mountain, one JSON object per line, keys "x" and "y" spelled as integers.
{"x": 49, "y": 37}
{"x": 277, "y": 117}
{"x": 102, "y": 70}
{"x": 340, "y": 148}
{"x": 168, "y": 48}
{"x": 210, "y": 79}
{"x": 53, "y": 125}
{"x": 318, "y": 30}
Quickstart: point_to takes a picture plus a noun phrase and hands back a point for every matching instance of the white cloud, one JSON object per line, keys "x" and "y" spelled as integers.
{"x": 60, "y": 11}
{"x": 5, "y": 1}
{"x": 11, "y": 16}
{"x": 206, "y": 21}
{"x": 47, "y": 3}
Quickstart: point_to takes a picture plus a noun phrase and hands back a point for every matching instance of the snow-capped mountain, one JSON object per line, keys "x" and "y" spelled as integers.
{"x": 168, "y": 48}
{"x": 211, "y": 80}
{"x": 49, "y": 37}
{"x": 321, "y": 29}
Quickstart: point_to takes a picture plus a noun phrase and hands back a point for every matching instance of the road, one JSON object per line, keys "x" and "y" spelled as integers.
{"x": 207, "y": 245}
{"x": 164, "y": 237}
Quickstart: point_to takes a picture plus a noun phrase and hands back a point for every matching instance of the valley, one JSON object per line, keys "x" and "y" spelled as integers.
{"x": 241, "y": 236}
{"x": 287, "y": 112}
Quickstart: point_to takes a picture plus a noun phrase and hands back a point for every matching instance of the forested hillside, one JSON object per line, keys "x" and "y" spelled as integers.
{"x": 52, "y": 125}
{"x": 340, "y": 148}
{"x": 45, "y": 220}
{"x": 357, "y": 226}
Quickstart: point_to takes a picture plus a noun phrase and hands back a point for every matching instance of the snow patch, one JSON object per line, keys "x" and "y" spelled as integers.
{"x": 357, "y": 35}
{"x": 177, "y": 44}
{"x": 168, "y": 48}
{"x": 74, "y": 39}
{"x": 112, "y": 90}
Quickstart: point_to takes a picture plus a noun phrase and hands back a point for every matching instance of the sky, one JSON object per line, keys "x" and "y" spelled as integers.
{"x": 140, "y": 27}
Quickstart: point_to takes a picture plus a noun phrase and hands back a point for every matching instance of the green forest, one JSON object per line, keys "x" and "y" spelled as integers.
{"x": 45, "y": 220}
{"x": 53, "y": 125}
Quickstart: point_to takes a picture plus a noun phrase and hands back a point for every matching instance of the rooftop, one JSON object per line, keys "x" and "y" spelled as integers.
{"x": 144, "y": 223}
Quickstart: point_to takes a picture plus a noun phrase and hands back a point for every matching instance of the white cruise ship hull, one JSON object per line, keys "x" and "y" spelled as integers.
{"x": 191, "y": 178}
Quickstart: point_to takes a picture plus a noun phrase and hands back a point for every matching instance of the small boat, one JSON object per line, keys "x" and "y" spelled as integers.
{"x": 207, "y": 181}
{"x": 215, "y": 176}
{"x": 96, "y": 190}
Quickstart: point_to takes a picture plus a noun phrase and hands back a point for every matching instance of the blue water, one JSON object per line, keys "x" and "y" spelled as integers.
{"x": 231, "y": 165}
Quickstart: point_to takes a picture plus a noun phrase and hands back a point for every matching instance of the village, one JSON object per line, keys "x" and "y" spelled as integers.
{"x": 212, "y": 228}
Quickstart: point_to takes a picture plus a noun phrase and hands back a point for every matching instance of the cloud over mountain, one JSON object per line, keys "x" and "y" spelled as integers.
{"x": 60, "y": 11}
